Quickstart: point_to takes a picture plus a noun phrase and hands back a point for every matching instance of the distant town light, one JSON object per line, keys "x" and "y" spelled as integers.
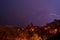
{"x": 53, "y": 31}
{"x": 46, "y": 28}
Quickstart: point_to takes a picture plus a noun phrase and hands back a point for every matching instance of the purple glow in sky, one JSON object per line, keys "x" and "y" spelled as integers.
{"x": 39, "y": 12}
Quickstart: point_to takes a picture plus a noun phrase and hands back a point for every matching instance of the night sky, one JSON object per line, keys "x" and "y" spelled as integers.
{"x": 22, "y": 12}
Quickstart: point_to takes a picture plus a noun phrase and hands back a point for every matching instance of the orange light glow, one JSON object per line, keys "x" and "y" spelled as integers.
{"x": 53, "y": 31}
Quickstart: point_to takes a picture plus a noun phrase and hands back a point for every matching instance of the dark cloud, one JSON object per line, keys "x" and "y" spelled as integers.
{"x": 25, "y": 11}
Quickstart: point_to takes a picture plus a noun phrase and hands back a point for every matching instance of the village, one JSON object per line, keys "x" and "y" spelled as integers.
{"x": 30, "y": 32}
